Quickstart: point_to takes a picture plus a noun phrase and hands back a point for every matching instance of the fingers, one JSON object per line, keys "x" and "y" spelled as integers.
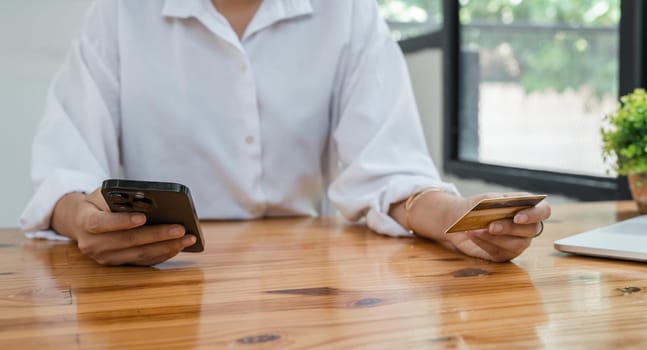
{"x": 540, "y": 212}
{"x": 504, "y": 239}
{"x": 146, "y": 235}
{"x": 145, "y": 245}
{"x": 111, "y": 241}
{"x": 120, "y": 238}
{"x": 97, "y": 221}
{"x": 500, "y": 248}
{"x": 94, "y": 216}
{"x": 508, "y": 228}
{"x": 146, "y": 255}
{"x": 526, "y": 223}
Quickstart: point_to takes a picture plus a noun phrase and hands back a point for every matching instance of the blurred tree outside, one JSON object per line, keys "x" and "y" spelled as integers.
{"x": 410, "y": 18}
{"x": 544, "y": 45}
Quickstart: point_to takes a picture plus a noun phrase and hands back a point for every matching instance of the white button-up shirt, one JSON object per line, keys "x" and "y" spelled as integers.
{"x": 312, "y": 106}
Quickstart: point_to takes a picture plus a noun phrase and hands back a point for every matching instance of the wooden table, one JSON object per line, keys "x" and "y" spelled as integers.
{"x": 317, "y": 283}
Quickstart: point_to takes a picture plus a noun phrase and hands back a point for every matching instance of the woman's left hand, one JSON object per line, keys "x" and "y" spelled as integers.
{"x": 503, "y": 240}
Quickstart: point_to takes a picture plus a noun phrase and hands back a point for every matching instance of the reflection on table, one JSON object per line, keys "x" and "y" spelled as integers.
{"x": 309, "y": 283}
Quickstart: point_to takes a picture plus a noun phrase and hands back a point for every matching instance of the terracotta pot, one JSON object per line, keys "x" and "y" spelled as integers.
{"x": 638, "y": 186}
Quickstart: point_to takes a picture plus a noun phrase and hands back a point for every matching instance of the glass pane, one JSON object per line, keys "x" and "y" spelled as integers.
{"x": 410, "y": 18}
{"x": 537, "y": 77}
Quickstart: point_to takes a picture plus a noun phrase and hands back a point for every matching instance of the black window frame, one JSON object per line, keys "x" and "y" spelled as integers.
{"x": 431, "y": 40}
{"x": 631, "y": 74}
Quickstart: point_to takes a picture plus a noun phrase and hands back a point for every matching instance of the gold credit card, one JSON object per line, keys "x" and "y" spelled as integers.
{"x": 493, "y": 209}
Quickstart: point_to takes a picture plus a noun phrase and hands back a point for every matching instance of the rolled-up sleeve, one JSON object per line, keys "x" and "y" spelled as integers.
{"x": 76, "y": 143}
{"x": 377, "y": 135}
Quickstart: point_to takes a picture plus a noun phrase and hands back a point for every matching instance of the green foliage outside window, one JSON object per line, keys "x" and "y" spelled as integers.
{"x": 409, "y": 18}
{"x": 542, "y": 44}
{"x": 568, "y": 44}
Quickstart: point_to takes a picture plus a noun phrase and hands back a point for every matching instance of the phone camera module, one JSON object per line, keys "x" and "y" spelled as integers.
{"x": 118, "y": 197}
{"x": 142, "y": 203}
{"x": 123, "y": 207}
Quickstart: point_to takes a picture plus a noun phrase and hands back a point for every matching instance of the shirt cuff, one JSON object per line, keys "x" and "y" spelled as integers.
{"x": 378, "y": 218}
{"x": 46, "y": 234}
{"x": 38, "y": 213}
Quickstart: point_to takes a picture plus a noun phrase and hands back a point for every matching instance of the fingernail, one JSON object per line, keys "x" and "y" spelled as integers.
{"x": 176, "y": 231}
{"x": 189, "y": 240}
{"x": 138, "y": 218}
{"x": 496, "y": 227}
{"x": 521, "y": 219}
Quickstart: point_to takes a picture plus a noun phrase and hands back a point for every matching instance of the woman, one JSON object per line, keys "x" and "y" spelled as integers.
{"x": 263, "y": 108}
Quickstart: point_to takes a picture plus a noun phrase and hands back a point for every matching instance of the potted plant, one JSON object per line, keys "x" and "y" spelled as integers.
{"x": 624, "y": 142}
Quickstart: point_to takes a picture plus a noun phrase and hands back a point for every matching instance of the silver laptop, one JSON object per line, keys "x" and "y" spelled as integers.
{"x": 625, "y": 240}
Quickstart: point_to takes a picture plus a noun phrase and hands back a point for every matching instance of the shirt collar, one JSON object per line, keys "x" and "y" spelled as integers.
{"x": 283, "y": 9}
{"x": 273, "y": 11}
{"x": 179, "y": 8}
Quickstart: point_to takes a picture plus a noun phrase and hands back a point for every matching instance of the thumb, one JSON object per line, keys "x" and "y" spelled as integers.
{"x": 96, "y": 198}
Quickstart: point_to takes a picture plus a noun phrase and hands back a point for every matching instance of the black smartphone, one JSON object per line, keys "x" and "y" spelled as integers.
{"x": 162, "y": 202}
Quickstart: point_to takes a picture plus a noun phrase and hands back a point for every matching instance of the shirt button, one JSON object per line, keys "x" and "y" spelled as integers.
{"x": 243, "y": 67}
{"x": 249, "y": 140}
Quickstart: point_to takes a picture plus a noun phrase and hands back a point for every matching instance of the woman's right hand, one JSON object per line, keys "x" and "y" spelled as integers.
{"x": 116, "y": 238}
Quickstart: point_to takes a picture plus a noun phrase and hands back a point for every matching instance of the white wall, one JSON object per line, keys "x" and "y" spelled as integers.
{"x": 34, "y": 37}
{"x": 425, "y": 68}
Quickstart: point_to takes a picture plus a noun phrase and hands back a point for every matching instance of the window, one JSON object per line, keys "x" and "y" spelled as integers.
{"x": 528, "y": 83}
{"x": 538, "y": 78}
{"x": 412, "y": 18}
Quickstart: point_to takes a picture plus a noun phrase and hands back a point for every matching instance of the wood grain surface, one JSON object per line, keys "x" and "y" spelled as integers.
{"x": 321, "y": 283}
